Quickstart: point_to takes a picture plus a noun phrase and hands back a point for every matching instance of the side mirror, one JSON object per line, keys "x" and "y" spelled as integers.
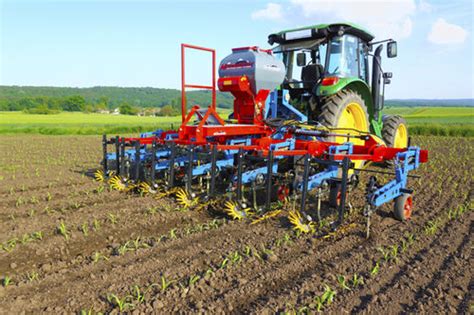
{"x": 392, "y": 49}
{"x": 301, "y": 59}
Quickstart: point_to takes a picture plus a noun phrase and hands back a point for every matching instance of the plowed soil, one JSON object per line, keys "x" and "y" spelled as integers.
{"x": 71, "y": 245}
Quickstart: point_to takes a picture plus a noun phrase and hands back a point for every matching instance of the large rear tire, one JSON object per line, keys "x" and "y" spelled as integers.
{"x": 346, "y": 113}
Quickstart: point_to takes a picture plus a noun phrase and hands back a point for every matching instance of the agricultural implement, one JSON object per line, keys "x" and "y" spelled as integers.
{"x": 305, "y": 124}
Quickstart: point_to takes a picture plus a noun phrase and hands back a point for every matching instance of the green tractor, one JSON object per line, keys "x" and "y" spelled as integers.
{"x": 327, "y": 75}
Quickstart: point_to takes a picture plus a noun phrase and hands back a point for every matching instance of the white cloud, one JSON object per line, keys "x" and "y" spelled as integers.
{"x": 385, "y": 19}
{"x": 424, "y": 6}
{"x": 273, "y": 11}
{"x": 443, "y": 32}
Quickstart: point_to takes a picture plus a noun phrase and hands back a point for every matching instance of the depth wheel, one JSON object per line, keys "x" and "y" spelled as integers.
{"x": 403, "y": 207}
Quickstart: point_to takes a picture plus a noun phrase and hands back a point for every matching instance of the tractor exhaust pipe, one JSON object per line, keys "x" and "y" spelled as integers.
{"x": 377, "y": 81}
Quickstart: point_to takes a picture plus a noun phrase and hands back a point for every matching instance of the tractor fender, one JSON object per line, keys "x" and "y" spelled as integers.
{"x": 354, "y": 84}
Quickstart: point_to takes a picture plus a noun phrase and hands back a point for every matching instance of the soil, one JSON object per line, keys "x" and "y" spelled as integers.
{"x": 156, "y": 257}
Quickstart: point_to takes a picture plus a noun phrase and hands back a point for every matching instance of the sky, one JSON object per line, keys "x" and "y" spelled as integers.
{"x": 137, "y": 43}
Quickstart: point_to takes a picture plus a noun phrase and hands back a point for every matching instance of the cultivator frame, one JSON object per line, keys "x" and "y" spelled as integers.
{"x": 213, "y": 158}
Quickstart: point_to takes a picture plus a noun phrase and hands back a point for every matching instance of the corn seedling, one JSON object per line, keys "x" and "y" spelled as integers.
{"x": 375, "y": 269}
{"x": 165, "y": 284}
{"x": 342, "y": 282}
{"x": 235, "y": 257}
{"x": 112, "y": 218}
{"x": 62, "y": 230}
{"x": 26, "y": 238}
{"x": 357, "y": 280}
{"x": 32, "y": 276}
{"x": 193, "y": 279}
{"x": 385, "y": 254}
{"x": 394, "y": 252}
{"x": 85, "y": 229}
{"x": 122, "y": 304}
{"x": 173, "y": 234}
{"x": 96, "y": 225}
{"x": 6, "y": 281}
{"x": 224, "y": 263}
{"x": 431, "y": 227}
{"x": 38, "y": 235}
{"x": 31, "y": 213}
{"x": 98, "y": 256}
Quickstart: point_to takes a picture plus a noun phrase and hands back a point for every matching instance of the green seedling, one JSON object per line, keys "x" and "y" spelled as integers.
{"x": 342, "y": 282}
{"x": 112, "y": 218}
{"x": 48, "y": 196}
{"x": 85, "y": 229}
{"x": 31, "y": 213}
{"x": 6, "y": 281}
{"x": 96, "y": 225}
{"x": 122, "y": 304}
{"x": 25, "y": 239}
{"x": 394, "y": 252}
{"x": 98, "y": 256}
{"x": 357, "y": 280}
{"x": 173, "y": 234}
{"x": 123, "y": 248}
{"x": 247, "y": 251}
{"x": 138, "y": 295}
{"x": 193, "y": 279}
{"x": 224, "y": 263}
{"x": 62, "y": 230}
{"x": 32, "y": 276}
{"x": 165, "y": 284}
{"x": 431, "y": 227}
{"x": 235, "y": 257}
{"x": 375, "y": 269}
{"x": 209, "y": 271}
{"x": 38, "y": 235}
{"x": 385, "y": 254}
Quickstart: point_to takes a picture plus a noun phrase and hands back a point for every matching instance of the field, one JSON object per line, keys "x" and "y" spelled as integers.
{"x": 71, "y": 245}
{"x": 446, "y": 121}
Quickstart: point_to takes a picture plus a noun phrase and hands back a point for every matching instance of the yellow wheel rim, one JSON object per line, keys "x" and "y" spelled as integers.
{"x": 353, "y": 117}
{"x": 401, "y": 137}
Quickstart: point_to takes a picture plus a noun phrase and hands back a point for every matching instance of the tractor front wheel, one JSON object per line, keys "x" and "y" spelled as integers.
{"x": 395, "y": 131}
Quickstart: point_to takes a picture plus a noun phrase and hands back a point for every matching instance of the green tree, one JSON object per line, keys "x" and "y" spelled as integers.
{"x": 127, "y": 109}
{"x": 168, "y": 110}
{"x": 75, "y": 103}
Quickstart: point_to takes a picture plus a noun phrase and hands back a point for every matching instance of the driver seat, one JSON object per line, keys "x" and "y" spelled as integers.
{"x": 310, "y": 75}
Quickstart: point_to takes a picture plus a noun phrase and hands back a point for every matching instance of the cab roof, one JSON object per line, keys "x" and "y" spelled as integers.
{"x": 319, "y": 31}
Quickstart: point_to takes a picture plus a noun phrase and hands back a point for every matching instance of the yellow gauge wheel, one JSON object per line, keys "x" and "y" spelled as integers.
{"x": 401, "y": 137}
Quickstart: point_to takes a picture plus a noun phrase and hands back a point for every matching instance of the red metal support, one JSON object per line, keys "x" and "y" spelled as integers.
{"x": 211, "y": 87}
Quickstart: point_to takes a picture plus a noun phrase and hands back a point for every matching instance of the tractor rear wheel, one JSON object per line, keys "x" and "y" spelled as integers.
{"x": 345, "y": 113}
{"x": 395, "y": 131}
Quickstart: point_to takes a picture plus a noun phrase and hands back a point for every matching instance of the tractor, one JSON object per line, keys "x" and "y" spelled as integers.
{"x": 305, "y": 121}
{"x": 327, "y": 70}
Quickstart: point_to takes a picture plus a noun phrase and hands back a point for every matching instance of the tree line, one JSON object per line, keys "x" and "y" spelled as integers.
{"x": 44, "y": 100}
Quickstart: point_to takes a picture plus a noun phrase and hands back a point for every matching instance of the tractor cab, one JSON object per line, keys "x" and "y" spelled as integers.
{"x": 333, "y": 59}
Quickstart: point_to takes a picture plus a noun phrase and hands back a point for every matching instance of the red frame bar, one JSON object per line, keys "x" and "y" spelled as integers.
{"x": 196, "y": 86}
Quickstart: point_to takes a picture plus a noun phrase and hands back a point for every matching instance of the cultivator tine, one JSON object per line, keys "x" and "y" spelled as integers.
{"x": 240, "y": 161}
{"x": 171, "y": 165}
{"x": 117, "y": 153}
{"x": 213, "y": 170}
{"x": 304, "y": 192}
{"x": 104, "y": 150}
{"x": 189, "y": 176}
{"x": 269, "y": 180}
{"x": 153, "y": 162}
{"x": 137, "y": 161}
{"x": 342, "y": 203}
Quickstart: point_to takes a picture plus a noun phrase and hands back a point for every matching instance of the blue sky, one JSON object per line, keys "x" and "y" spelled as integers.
{"x": 137, "y": 43}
